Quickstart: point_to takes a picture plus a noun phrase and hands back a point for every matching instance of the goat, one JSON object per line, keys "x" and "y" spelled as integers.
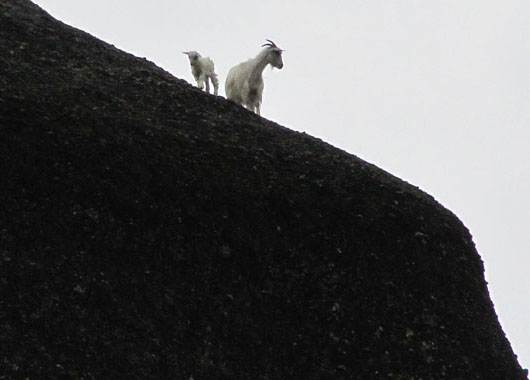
{"x": 203, "y": 71}
{"x": 244, "y": 83}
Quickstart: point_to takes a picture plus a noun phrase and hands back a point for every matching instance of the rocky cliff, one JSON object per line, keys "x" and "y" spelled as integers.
{"x": 151, "y": 231}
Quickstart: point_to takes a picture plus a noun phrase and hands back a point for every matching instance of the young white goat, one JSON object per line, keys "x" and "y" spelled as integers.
{"x": 203, "y": 71}
{"x": 244, "y": 83}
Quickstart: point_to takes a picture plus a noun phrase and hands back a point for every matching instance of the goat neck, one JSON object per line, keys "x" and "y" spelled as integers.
{"x": 260, "y": 62}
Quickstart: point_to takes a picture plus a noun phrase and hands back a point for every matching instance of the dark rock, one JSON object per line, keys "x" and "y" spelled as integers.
{"x": 151, "y": 231}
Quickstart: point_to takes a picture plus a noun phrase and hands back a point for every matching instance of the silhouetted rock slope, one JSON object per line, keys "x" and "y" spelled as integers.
{"x": 150, "y": 231}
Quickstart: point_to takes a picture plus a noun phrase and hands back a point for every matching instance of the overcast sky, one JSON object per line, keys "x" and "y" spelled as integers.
{"x": 435, "y": 92}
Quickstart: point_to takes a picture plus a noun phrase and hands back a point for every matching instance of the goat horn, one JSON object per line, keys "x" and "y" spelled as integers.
{"x": 270, "y": 44}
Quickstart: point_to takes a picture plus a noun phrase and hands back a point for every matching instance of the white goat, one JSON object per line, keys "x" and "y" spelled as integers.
{"x": 203, "y": 70}
{"x": 244, "y": 83}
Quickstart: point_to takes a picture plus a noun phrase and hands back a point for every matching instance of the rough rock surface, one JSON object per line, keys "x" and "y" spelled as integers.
{"x": 151, "y": 231}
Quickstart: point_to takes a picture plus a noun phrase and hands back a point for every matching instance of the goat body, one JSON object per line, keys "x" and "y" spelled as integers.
{"x": 203, "y": 71}
{"x": 244, "y": 82}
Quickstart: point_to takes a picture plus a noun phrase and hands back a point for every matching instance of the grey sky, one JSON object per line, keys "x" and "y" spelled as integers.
{"x": 435, "y": 92}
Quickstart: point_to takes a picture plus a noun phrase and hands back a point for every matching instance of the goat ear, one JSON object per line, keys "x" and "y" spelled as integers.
{"x": 186, "y": 52}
